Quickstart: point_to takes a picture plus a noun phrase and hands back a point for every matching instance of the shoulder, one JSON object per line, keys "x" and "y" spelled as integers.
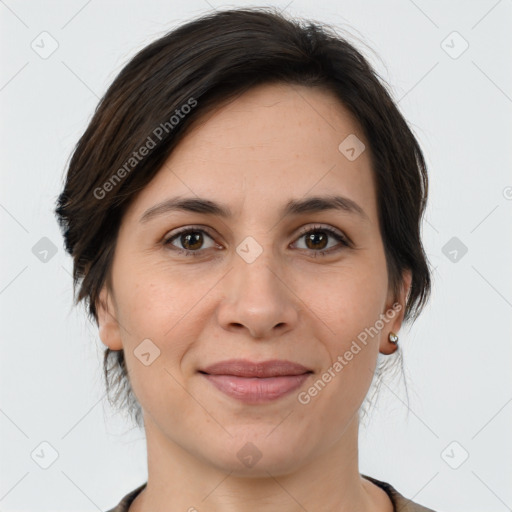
{"x": 400, "y": 502}
{"x": 127, "y": 500}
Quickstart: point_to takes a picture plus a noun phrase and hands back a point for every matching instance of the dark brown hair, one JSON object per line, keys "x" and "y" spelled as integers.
{"x": 177, "y": 79}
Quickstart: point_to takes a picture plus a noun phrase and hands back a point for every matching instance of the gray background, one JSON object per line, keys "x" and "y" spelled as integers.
{"x": 458, "y": 354}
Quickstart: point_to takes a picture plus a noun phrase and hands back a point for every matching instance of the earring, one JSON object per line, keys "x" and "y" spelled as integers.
{"x": 393, "y": 338}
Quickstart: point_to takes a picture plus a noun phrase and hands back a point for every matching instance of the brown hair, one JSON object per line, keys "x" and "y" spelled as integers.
{"x": 198, "y": 65}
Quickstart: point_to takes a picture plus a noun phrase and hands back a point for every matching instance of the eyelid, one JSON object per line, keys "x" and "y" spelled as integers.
{"x": 185, "y": 229}
{"x": 189, "y": 227}
{"x": 330, "y": 229}
{"x": 333, "y": 232}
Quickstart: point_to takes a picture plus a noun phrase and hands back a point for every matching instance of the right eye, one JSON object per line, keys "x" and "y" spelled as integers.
{"x": 191, "y": 241}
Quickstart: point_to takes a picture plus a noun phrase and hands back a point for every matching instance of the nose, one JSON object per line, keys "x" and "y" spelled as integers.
{"x": 258, "y": 299}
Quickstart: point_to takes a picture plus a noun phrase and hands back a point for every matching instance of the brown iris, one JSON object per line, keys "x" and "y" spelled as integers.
{"x": 194, "y": 240}
{"x": 314, "y": 238}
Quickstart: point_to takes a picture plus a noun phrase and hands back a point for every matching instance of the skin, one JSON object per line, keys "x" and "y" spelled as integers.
{"x": 271, "y": 144}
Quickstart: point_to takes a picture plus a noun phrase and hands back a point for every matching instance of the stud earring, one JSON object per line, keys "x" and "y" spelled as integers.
{"x": 393, "y": 338}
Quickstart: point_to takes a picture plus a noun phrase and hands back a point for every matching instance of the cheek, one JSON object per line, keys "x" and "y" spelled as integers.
{"x": 158, "y": 332}
{"x": 349, "y": 302}
{"x": 348, "y": 299}
{"x": 352, "y": 350}
{"x": 155, "y": 298}
{"x": 167, "y": 307}
{"x": 147, "y": 307}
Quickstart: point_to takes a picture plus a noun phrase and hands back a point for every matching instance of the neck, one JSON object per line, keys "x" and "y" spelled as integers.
{"x": 181, "y": 481}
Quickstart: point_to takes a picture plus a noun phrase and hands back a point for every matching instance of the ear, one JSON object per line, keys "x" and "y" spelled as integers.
{"x": 109, "y": 330}
{"x": 395, "y": 310}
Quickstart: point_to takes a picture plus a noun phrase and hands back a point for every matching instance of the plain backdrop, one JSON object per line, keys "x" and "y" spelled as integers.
{"x": 448, "y": 65}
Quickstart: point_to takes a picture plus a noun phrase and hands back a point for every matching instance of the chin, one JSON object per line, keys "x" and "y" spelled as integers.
{"x": 257, "y": 455}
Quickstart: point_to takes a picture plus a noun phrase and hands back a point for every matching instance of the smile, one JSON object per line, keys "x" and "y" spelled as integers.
{"x": 256, "y": 383}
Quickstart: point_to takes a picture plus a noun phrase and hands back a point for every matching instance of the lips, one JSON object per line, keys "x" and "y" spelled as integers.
{"x": 256, "y": 383}
{"x": 245, "y": 368}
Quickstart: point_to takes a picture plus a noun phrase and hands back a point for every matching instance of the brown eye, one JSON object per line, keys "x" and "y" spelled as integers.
{"x": 190, "y": 241}
{"x": 317, "y": 239}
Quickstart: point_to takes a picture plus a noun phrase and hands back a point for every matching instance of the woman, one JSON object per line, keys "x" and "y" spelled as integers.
{"x": 244, "y": 216}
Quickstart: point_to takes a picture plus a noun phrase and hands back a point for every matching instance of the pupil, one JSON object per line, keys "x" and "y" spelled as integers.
{"x": 312, "y": 237}
{"x": 190, "y": 238}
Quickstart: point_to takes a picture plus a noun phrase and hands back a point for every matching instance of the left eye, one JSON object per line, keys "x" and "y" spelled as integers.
{"x": 316, "y": 240}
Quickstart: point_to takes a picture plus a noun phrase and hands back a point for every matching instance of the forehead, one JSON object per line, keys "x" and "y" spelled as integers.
{"x": 273, "y": 143}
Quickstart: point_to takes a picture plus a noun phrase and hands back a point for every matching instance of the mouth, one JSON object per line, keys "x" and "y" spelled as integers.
{"x": 256, "y": 382}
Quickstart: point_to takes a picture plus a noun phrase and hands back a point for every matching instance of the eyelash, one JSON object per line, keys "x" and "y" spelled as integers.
{"x": 305, "y": 231}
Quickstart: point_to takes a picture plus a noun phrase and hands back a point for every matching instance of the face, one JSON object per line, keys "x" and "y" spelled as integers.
{"x": 273, "y": 278}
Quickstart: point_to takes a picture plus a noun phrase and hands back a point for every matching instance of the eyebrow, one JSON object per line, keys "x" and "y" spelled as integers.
{"x": 293, "y": 207}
